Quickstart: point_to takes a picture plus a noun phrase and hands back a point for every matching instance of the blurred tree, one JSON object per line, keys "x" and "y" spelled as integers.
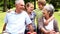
{"x": 31, "y": 1}
{"x": 56, "y": 3}
{"x": 28, "y": 1}
{"x": 1, "y": 3}
{"x": 34, "y": 4}
{"x": 5, "y": 6}
{"x": 10, "y": 4}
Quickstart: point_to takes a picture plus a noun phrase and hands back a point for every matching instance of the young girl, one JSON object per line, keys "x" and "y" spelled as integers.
{"x": 29, "y": 10}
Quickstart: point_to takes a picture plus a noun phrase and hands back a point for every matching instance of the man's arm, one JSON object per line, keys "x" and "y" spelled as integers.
{"x": 4, "y": 27}
{"x": 6, "y": 21}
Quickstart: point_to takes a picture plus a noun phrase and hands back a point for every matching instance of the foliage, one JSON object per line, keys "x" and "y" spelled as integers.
{"x": 56, "y": 3}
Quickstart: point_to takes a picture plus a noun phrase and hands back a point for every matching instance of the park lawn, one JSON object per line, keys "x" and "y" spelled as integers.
{"x": 2, "y": 15}
{"x": 57, "y": 17}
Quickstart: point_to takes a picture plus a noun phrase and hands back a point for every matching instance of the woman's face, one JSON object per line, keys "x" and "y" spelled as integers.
{"x": 45, "y": 13}
{"x": 30, "y": 8}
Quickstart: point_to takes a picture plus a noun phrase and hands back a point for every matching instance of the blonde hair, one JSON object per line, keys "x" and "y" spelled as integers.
{"x": 28, "y": 4}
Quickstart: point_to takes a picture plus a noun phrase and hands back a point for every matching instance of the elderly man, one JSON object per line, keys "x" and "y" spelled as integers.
{"x": 15, "y": 20}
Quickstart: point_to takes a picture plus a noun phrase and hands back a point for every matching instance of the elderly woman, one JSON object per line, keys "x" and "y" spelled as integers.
{"x": 51, "y": 27}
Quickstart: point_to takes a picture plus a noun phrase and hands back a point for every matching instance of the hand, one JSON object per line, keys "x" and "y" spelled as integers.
{"x": 57, "y": 33}
{"x": 47, "y": 32}
{"x": 52, "y": 32}
{"x": 31, "y": 29}
{"x": 8, "y": 11}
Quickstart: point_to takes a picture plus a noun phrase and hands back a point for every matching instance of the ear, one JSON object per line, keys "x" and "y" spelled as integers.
{"x": 27, "y": 7}
{"x": 49, "y": 12}
{"x": 16, "y": 5}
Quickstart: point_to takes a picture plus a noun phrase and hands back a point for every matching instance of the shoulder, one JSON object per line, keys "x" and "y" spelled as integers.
{"x": 37, "y": 9}
{"x": 10, "y": 13}
{"x": 55, "y": 21}
{"x": 9, "y": 10}
{"x": 24, "y": 12}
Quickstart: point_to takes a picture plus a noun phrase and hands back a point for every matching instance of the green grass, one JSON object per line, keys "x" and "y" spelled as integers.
{"x": 2, "y": 15}
{"x": 57, "y": 17}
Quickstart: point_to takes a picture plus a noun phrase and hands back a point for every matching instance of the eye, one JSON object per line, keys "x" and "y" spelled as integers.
{"x": 22, "y": 5}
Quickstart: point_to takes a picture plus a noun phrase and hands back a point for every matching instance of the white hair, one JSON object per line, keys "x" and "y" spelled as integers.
{"x": 49, "y": 7}
{"x": 19, "y": 1}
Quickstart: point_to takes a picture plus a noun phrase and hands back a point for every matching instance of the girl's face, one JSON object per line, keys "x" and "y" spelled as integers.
{"x": 30, "y": 8}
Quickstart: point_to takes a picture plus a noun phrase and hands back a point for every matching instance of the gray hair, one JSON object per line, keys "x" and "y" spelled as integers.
{"x": 50, "y": 9}
{"x": 19, "y": 1}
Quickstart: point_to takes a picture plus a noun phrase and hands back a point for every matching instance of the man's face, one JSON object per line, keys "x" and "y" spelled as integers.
{"x": 40, "y": 6}
{"x": 20, "y": 6}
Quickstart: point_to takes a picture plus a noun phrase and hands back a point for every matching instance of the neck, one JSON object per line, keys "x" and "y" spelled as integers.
{"x": 47, "y": 17}
{"x": 18, "y": 11}
{"x": 29, "y": 12}
{"x": 40, "y": 8}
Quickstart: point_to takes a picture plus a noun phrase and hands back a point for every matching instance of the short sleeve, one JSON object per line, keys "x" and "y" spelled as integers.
{"x": 27, "y": 19}
{"x": 6, "y": 20}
